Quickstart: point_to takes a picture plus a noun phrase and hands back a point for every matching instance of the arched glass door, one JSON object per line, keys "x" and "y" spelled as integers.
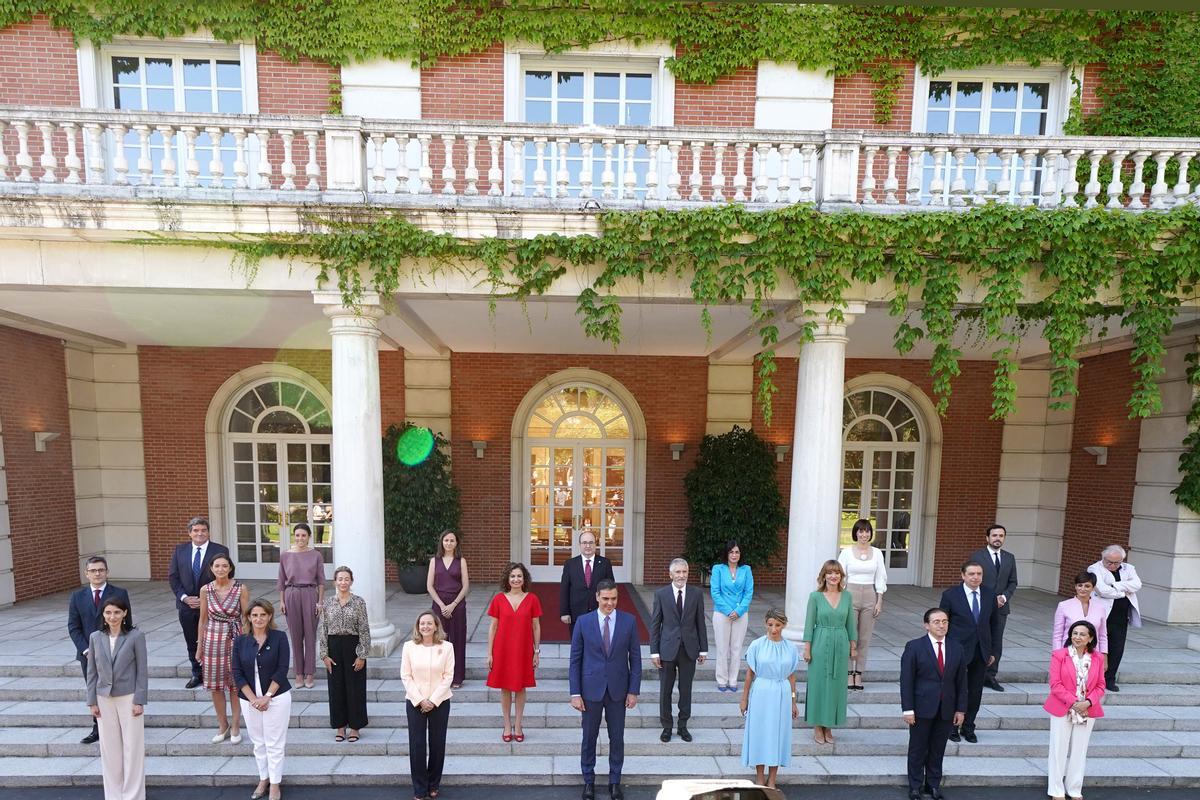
{"x": 882, "y": 459}
{"x": 578, "y": 449}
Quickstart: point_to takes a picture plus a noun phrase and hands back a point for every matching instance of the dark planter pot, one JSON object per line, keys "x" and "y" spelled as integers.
{"x": 412, "y": 578}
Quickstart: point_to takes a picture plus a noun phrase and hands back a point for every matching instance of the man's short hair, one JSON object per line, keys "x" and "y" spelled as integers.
{"x": 1113, "y": 549}
{"x": 677, "y": 562}
{"x": 993, "y": 527}
{"x": 970, "y": 562}
{"x": 194, "y": 521}
{"x": 588, "y": 533}
{"x": 97, "y": 560}
{"x": 604, "y": 584}
{"x": 935, "y": 610}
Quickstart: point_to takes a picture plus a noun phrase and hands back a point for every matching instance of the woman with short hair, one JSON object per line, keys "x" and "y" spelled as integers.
{"x": 1076, "y": 689}
{"x": 260, "y": 666}
{"x": 344, "y": 640}
{"x": 866, "y": 578}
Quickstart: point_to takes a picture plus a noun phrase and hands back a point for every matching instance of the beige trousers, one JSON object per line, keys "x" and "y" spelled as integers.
{"x": 1068, "y": 755}
{"x": 864, "y": 596}
{"x": 122, "y": 749}
{"x": 729, "y": 636}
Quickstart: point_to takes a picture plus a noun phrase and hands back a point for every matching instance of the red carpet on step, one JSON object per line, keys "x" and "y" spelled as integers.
{"x": 555, "y": 630}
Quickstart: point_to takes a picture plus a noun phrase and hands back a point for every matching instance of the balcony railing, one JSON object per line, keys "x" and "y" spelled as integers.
{"x": 264, "y": 158}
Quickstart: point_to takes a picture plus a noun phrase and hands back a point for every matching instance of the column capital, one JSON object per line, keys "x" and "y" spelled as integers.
{"x": 828, "y": 326}
{"x": 362, "y": 318}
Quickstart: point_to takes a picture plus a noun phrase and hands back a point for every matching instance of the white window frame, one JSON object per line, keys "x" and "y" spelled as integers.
{"x": 1057, "y": 105}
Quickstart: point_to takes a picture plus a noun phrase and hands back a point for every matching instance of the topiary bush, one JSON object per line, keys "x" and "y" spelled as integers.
{"x": 419, "y": 502}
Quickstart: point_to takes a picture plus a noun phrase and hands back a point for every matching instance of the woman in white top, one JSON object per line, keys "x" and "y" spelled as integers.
{"x": 427, "y": 670}
{"x": 866, "y": 576}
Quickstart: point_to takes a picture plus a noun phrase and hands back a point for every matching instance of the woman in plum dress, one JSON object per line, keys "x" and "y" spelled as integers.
{"x": 514, "y": 640}
{"x": 448, "y": 584}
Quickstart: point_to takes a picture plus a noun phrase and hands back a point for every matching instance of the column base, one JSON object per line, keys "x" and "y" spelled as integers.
{"x": 384, "y": 642}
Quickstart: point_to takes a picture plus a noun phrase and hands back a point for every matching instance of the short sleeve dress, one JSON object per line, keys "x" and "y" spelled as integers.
{"x": 830, "y": 631}
{"x": 512, "y": 649}
{"x": 767, "y": 738}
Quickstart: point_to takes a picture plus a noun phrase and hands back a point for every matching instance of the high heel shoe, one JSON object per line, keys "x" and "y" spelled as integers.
{"x": 260, "y": 792}
{"x": 220, "y": 737}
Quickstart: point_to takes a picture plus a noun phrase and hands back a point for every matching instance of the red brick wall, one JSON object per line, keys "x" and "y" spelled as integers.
{"x": 1100, "y": 498}
{"x": 286, "y": 87}
{"x": 37, "y": 65}
{"x": 177, "y": 386}
{"x": 485, "y": 391}
{"x": 970, "y": 454}
{"x": 465, "y": 87}
{"x": 854, "y": 103}
{"x": 41, "y": 486}
{"x": 728, "y": 101}
{"x": 1089, "y": 101}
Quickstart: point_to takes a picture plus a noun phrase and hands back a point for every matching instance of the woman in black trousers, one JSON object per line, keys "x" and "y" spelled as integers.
{"x": 427, "y": 669}
{"x": 344, "y": 639}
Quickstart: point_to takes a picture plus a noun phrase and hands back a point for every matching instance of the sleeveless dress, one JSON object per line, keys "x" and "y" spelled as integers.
{"x": 512, "y": 650}
{"x": 216, "y": 640}
{"x": 447, "y": 582}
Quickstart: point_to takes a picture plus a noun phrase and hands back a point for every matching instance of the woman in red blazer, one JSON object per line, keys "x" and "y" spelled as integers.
{"x": 1076, "y": 689}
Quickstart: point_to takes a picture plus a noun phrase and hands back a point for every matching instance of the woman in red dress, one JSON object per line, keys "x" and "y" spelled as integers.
{"x": 514, "y": 640}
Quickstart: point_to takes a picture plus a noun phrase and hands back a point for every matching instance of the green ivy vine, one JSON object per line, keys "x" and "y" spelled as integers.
{"x": 1150, "y": 88}
{"x": 1187, "y": 493}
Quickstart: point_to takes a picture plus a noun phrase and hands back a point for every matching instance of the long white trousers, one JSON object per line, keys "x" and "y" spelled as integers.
{"x": 122, "y": 748}
{"x": 1068, "y": 755}
{"x": 268, "y": 730}
{"x": 729, "y": 635}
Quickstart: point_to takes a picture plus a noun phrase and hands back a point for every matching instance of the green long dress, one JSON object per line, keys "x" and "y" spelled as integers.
{"x": 830, "y": 630}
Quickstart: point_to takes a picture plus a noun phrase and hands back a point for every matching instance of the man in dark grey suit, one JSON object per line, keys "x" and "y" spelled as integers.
{"x": 678, "y": 642}
{"x": 84, "y": 618}
{"x": 999, "y": 575}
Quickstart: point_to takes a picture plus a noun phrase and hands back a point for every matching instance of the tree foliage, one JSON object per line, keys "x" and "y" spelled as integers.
{"x": 419, "y": 502}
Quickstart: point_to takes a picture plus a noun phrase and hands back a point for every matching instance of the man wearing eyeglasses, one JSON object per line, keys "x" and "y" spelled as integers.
{"x": 84, "y": 617}
{"x": 1117, "y": 583}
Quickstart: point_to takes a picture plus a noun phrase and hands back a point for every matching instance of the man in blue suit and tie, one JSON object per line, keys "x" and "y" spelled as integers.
{"x": 933, "y": 698}
{"x": 84, "y": 617}
{"x": 189, "y": 570}
{"x": 971, "y": 607}
{"x": 605, "y": 677}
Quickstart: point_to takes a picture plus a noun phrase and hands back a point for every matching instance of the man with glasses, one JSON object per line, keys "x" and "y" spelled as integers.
{"x": 1117, "y": 583}
{"x": 84, "y": 617}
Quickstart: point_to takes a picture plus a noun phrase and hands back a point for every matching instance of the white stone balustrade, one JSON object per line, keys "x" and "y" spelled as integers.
{"x": 435, "y": 163}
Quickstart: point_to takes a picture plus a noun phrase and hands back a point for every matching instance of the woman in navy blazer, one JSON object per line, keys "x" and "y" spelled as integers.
{"x": 260, "y": 665}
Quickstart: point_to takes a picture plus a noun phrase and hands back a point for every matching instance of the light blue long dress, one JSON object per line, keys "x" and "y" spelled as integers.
{"x": 767, "y": 739}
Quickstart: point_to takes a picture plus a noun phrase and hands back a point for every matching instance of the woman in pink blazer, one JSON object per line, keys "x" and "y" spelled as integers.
{"x": 1076, "y": 689}
{"x": 1081, "y": 606}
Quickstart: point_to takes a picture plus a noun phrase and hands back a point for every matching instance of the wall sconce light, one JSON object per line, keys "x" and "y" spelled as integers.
{"x": 781, "y": 451}
{"x": 479, "y": 446}
{"x": 1100, "y": 452}
{"x": 41, "y": 437}
{"x": 676, "y": 450}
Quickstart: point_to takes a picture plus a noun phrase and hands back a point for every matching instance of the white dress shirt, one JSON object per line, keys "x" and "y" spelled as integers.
{"x": 191, "y": 558}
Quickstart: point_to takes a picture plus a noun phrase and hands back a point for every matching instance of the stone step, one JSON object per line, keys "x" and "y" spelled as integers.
{"x": 563, "y": 770}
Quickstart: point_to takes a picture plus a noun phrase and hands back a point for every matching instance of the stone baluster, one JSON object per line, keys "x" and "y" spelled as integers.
{"x": 449, "y": 171}
{"x": 1071, "y": 184}
{"x": 1183, "y": 188}
{"x": 1050, "y": 196}
{"x": 562, "y": 175}
{"x": 240, "y": 169}
{"x": 587, "y": 167}
{"x": 1091, "y": 189}
{"x": 93, "y": 152}
{"x": 958, "y": 186}
{"x": 868, "y": 181}
{"x": 425, "y": 169}
{"x": 1025, "y": 187}
{"x": 608, "y": 178}
{"x": 785, "y": 179}
{"x": 167, "y": 165}
{"x": 1138, "y": 187}
{"x": 495, "y": 173}
{"x": 264, "y": 160}
{"x": 717, "y": 181}
{"x": 287, "y": 167}
{"x": 312, "y": 169}
{"x": 673, "y": 177}
{"x": 3, "y": 154}
{"x": 517, "y": 179}
{"x": 630, "y": 177}
{"x": 471, "y": 173}
{"x": 1004, "y": 185}
{"x": 1158, "y": 192}
{"x": 739, "y": 177}
{"x": 979, "y": 191}
{"x": 48, "y": 161}
{"x": 145, "y": 166}
{"x": 916, "y": 169}
{"x": 652, "y": 153}
{"x": 407, "y": 179}
{"x": 72, "y": 161}
{"x": 807, "y": 181}
{"x": 891, "y": 183}
{"x": 120, "y": 164}
{"x": 1116, "y": 185}
{"x": 696, "y": 180}
{"x": 216, "y": 165}
{"x": 762, "y": 180}
{"x": 378, "y": 170}
{"x": 24, "y": 157}
{"x": 937, "y": 184}
{"x": 539, "y": 168}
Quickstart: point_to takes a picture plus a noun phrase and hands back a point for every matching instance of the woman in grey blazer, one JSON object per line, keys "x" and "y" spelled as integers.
{"x": 117, "y": 684}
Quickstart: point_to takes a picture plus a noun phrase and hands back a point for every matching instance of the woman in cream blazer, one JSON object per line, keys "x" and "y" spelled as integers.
{"x": 427, "y": 670}
{"x": 118, "y": 680}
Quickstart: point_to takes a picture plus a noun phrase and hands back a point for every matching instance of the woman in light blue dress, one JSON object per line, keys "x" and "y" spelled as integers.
{"x": 769, "y": 691}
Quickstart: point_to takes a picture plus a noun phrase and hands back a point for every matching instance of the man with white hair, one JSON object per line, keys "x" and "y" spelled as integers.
{"x": 1117, "y": 584}
{"x": 678, "y": 642}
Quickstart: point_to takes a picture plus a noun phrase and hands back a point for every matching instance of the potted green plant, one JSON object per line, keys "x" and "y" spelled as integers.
{"x": 732, "y": 494}
{"x": 419, "y": 502}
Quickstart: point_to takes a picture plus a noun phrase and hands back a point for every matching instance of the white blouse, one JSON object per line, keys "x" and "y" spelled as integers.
{"x": 871, "y": 571}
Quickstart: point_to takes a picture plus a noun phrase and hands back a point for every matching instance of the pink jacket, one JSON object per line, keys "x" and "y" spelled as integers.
{"x": 1062, "y": 684}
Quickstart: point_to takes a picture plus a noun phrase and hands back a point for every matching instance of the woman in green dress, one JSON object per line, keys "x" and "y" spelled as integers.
{"x": 829, "y": 643}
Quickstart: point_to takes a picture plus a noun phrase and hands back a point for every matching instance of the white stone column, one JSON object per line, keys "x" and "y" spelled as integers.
{"x": 814, "y": 513}
{"x": 358, "y": 456}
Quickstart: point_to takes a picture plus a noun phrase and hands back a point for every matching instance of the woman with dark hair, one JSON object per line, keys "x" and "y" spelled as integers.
{"x": 260, "y": 667}
{"x": 514, "y": 641}
{"x": 1076, "y": 689}
{"x": 830, "y": 638}
{"x": 118, "y": 681}
{"x": 222, "y": 607}
{"x": 448, "y": 584}
{"x": 769, "y": 701}
{"x": 731, "y": 584}
{"x": 344, "y": 640}
{"x": 1081, "y": 606}
{"x": 427, "y": 668}
{"x": 301, "y": 586}
{"x": 866, "y": 577}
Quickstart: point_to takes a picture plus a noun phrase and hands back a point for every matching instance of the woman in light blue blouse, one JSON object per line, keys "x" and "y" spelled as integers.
{"x": 732, "y": 587}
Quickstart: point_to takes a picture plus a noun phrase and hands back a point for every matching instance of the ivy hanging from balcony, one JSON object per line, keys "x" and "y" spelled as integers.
{"x": 1151, "y": 86}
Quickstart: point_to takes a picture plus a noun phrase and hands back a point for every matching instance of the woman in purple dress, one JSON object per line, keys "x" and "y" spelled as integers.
{"x": 301, "y": 588}
{"x": 448, "y": 584}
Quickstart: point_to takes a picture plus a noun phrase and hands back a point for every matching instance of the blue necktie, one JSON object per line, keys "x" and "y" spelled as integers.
{"x": 196, "y": 566}
{"x": 975, "y": 605}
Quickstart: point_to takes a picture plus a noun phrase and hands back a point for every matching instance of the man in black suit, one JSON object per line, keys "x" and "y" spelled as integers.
{"x": 999, "y": 575}
{"x": 971, "y": 608}
{"x": 933, "y": 696}
{"x": 576, "y": 592}
{"x": 678, "y": 642}
{"x": 189, "y": 570}
{"x": 84, "y": 618}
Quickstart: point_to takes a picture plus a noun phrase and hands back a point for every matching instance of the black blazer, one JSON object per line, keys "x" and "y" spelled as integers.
{"x": 922, "y": 690}
{"x": 574, "y": 596}
{"x": 974, "y": 638}
{"x": 669, "y": 632}
{"x": 84, "y": 619}
{"x": 179, "y": 574}
{"x": 272, "y": 661}
{"x": 1002, "y": 583}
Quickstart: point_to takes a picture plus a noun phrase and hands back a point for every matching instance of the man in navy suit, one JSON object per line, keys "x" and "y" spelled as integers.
{"x": 933, "y": 699}
{"x": 84, "y": 619}
{"x": 189, "y": 570}
{"x": 605, "y": 677}
{"x": 971, "y": 607}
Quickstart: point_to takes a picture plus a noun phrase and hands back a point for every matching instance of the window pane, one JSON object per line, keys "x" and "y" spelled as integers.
{"x": 229, "y": 74}
{"x": 158, "y": 72}
{"x": 290, "y": 394}
{"x": 1035, "y": 95}
{"x": 1002, "y": 122}
{"x": 321, "y": 423}
{"x": 570, "y": 85}
{"x": 637, "y": 114}
{"x": 1004, "y": 95}
{"x": 906, "y": 460}
{"x": 638, "y": 86}
{"x": 578, "y": 427}
{"x": 269, "y": 394}
{"x": 1033, "y": 124}
{"x": 607, "y": 114}
{"x": 570, "y": 113}
{"x": 966, "y": 122}
{"x": 250, "y": 404}
{"x": 310, "y": 406}
{"x": 607, "y": 86}
{"x": 937, "y": 122}
{"x": 869, "y": 430}
{"x": 197, "y": 73}
{"x": 160, "y": 99}
{"x": 537, "y": 84}
{"x": 198, "y": 100}
{"x": 242, "y": 451}
{"x": 939, "y": 94}
{"x": 969, "y": 94}
{"x": 537, "y": 111}
{"x": 128, "y": 99}
{"x": 899, "y": 414}
{"x": 126, "y": 70}
{"x": 229, "y": 102}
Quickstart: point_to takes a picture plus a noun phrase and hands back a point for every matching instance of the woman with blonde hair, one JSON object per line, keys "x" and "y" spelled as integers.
{"x": 769, "y": 701}
{"x": 427, "y": 670}
{"x": 830, "y": 637}
{"x": 260, "y": 666}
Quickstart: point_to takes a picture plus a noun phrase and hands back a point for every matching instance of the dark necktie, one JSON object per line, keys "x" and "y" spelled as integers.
{"x": 941, "y": 660}
{"x": 607, "y": 635}
{"x": 96, "y": 598}
{"x": 587, "y": 573}
{"x": 679, "y": 602}
{"x": 196, "y": 565}
{"x": 997, "y": 559}
{"x": 975, "y": 605}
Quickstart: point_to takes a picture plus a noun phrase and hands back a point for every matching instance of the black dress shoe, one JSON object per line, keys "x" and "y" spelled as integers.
{"x": 913, "y": 794}
{"x": 615, "y": 792}
{"x": 665, "y": 736}
{"x": 1112, "y": 687}
{"x": 925, "y": 789}
{"x": 194, "y": 682}
{"x": 954, "y": 737}
{"x": 971, "y": 737}
{"x": 589, "y": 791}
{"x": 993, "y": 684}
{"x": 684, "y": 734}
{"x": 91, "y": 738}
{"x": 936, "y": 794}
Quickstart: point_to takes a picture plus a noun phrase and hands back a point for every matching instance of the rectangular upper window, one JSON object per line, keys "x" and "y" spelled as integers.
{"x": 603, "y": 97}
{"x": 205, "y": 85}
{"x": 988, "y": 106}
